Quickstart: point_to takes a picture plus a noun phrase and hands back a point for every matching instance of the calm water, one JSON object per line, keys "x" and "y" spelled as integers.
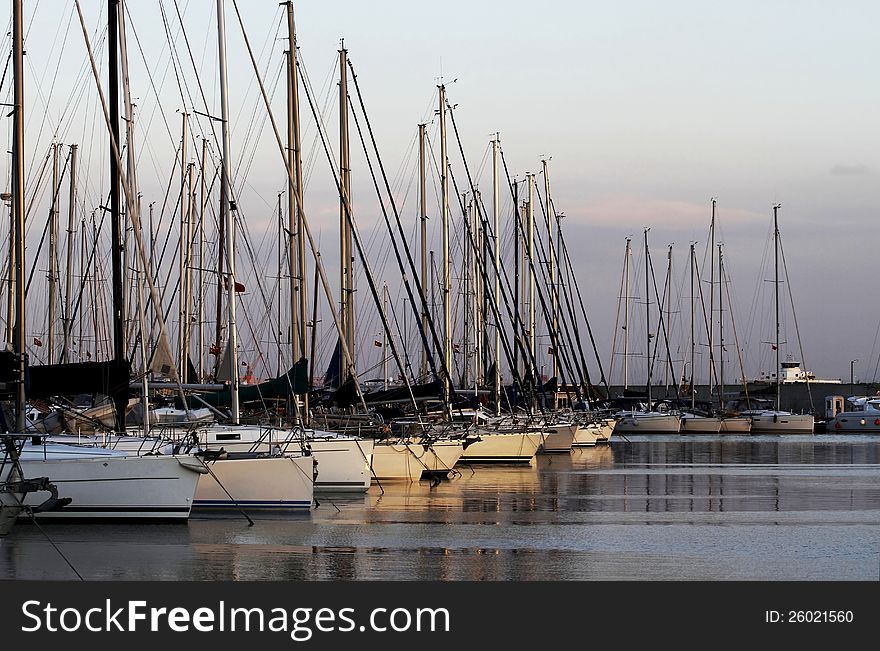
{"x": 745, "y": 508}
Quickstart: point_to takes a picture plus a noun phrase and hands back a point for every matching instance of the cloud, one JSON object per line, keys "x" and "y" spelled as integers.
{"x": 620, "y": 210}
{"x": 851, "y": 170}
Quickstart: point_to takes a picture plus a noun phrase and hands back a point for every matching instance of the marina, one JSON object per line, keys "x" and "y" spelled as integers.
{"x": 756, "y": 508}
{"x": 267, "y": 320}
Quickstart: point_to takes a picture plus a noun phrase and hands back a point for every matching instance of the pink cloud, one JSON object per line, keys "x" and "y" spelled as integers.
{"x": 621, "y": 210}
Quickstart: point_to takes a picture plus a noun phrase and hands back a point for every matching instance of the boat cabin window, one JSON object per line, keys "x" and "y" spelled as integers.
{"x": 228, "y": 437}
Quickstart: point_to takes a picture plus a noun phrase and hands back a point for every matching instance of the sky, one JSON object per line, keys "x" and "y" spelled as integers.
{"x": 644, "y": 110}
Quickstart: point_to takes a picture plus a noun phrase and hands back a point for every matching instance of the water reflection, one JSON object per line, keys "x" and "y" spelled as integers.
{"x": 746, "y": 508}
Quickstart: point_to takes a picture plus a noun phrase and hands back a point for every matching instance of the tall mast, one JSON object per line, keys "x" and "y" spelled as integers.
{"x": 720, "y": 326}
{"x": 18, "y": 209}
{"x": 516, "y": 280}
{"x": 530, "y": 244}
{"x": 496, "y": 210}
{"x": 121, "y": 393}
{"x": 297, "y": 251}
{"x": 626, "y": 257}
{"x": 423, "y": 219}
{"x": 385, "y": 338}
{"x": 226, "y": 217}
{"x": 776, "y": 295}
{"x": 668, "y": 364}
{"x": 71, "y": 229}
{"x": 345, "y": 249}
{"x": 131, "y": 180}
{"x": 711, "y": 299}
{"x": 479, "y": 286}
{"x": 53, "y": 255}
{"x": 553, "y": 296}
{"x": 648, "y": 317}
{"x": 693, "y": 343}
{"x": 447, "y": 287}
{"x": 184, "y": 216}
{"x": 203, "y": 186}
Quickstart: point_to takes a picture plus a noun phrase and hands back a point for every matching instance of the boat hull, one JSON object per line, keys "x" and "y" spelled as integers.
{"x": 854, "y": 422}
{"x": 782, "y": 424}
{"x": 398, "y": 461}
{"x": 502, "y": 447}
{"x": 343, "y": 464}
{"x": 285, "y": 482}
{"x": 117, "y": 487}
{"x": 736, "y": 425}
{"x": 558, "y": 438}
{"x": 700, "y": 425}
{"x": 648, "y": 424}
{"x": 441, "y": 456}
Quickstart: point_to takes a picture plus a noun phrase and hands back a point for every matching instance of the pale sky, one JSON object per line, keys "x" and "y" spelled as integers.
{"x": 645, "y": 109}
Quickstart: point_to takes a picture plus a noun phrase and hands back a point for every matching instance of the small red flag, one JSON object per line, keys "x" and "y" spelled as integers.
{"x": 377, "y": 343}
{"x": 38, "y": 342}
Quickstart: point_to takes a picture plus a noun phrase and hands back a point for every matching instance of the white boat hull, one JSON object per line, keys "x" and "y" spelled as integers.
{"x": 558, "y": 438}
{"x": 648, "y": 424}
{"x": 343, "y": 463}
{"x": 398, "y": 461}
{"x": 782, "y": 424}
{"x": 502, "y": 447}
{"x": 854, "y": 422}
{"x": 285, "y": 482}
{"x": 442, "y": 455}
{"x": 116, "y": 486}
{"x": 700, "y": 425}
{"x": 736, "y": 425}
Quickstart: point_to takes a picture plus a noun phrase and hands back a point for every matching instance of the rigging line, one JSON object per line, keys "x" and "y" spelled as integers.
{"x": 649, "y": 266}
{"x": 346, "y": 204}
{"x": 796, "y": 327}
{"x": 742, "y": 370}
{"x": 411, "y": 263}
{"x": 564, "y": 250}
{"x": 316, "y": 253}
{"x": 130, "y": 23}
{"x": 45, "y": 229}
{"x": 540, "y": 273}
{"x": 496, "y": 311}
{"x": 561, "y": 351}
{"x": 713, "y": 378}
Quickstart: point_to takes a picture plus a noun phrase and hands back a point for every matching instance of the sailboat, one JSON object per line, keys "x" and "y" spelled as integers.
{"x": 691, "y": 421}
{"x": 777, "y": 421}
{"x": 648, "y": 419}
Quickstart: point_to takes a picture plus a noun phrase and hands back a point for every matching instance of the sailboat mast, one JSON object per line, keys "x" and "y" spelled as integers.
{"x": 345, "y": 250}
{"x": 71, "y": 229}
{"x": 626, "y": 258}
{"x": 648, "y": 317}
{"x": 226, "y": 217}
{"x": 184, "y": 215}
{"x": 693, "y": 389}
{"x": 53, "y": 255}
{"x": 423, "y": 221}
{"x": 553, "y": 289}
{"x": 18, "y": 209}
{"x": 711, "y": 299}
{"x": 447, "y": 287}
{"x": 298, "y": 250}
{"x": 203, "y": 193}
{"x": 776, "y": 295}
{"x": 530, "y": 234}
{"x": 496, "y": 210}
{"x": 120, "y": 397}
{"x": 720, "y": 326}
{"x": 385, "y": 338}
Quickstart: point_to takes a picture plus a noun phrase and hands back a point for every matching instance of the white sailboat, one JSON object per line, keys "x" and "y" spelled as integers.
{"x": 777, "y": 421}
